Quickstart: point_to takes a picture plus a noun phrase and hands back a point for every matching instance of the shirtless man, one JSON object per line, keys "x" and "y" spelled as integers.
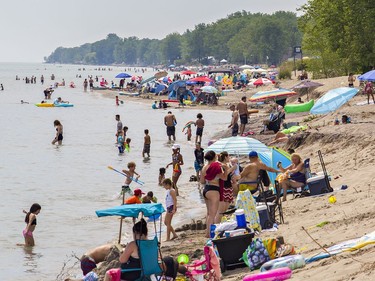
{"x": 244, "y": 114}
{"x": 119, "y": 126}
{"x": 249, "y": 175}
{"x": 170, "y": 121}
{"x": 234, "y": 121}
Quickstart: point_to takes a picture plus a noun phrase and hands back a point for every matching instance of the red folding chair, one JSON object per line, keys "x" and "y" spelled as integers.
{"x": 209, "y": 267}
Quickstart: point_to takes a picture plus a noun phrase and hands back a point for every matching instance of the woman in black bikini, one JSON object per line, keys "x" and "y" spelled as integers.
{"x": 130, "y": 257}
{"x": 212, "y": 172}
{"x": 30, "y": 220}
{"x": 59, "y": 132}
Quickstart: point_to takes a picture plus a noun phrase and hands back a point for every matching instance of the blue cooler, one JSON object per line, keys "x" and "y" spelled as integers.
{"x": 317, "y": 185}
{"x": 265, "y": 221}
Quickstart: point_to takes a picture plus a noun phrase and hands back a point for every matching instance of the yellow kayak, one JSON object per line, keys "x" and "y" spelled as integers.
{"x": 44, "y": 104}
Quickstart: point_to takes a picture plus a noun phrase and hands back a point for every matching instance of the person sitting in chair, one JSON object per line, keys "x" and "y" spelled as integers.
{"x": 294, "y": 174}
{"x": 130, "y": 257}
{"x": 249, "y": 175}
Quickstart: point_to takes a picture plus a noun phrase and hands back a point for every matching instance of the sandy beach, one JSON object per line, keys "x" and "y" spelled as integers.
{"x": 348, "y": 151}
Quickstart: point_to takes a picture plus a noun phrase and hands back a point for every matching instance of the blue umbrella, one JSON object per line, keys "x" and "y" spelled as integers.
{"x": 368, "y": 76}
{"x": 239, "y": 146}
{"x": 333, "y": 100}
{"x": 132, "y": 210}
{"x": 123, "y": 75}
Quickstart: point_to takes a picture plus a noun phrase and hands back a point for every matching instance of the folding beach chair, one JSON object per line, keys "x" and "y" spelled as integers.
{"x": 209, "y": 267}
{"x": 304, "y": 190}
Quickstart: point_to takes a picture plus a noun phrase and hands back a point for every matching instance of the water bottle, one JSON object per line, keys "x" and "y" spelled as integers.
{"x": 240, "y": 217}
{"x": 212, "y": 230}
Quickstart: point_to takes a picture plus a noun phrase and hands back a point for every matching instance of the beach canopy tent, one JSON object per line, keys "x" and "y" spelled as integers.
{"x": 132, "y": 210}
{"x": 246, "y": 66}
{"x": 270, "y": 156}
{"x": 333, "y": 100}
{"x": 123, "y": 75}
{"x": 221, "y": 70}
{"x": 274, "y": 94}
{"x": 368, "y": 76}
{"x": 159, "y": 88}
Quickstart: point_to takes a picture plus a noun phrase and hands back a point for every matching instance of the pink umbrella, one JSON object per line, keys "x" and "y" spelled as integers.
{"x": 262, "y": 81}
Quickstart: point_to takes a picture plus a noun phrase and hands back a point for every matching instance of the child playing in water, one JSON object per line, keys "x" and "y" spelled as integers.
{"x": 130, "y": 176}
{"x": 120, "y": 142}
{"x": 161, "y": 176}
{"x": 30, "y": 220}
{"x": 127, "y": 144}
{"x": 200, "y": 125}
{"x": 171, "y": 204}
{"x": 188, "y": 132}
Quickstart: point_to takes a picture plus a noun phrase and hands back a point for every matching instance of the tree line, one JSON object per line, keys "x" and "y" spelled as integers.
{"x": 241, "y": 37}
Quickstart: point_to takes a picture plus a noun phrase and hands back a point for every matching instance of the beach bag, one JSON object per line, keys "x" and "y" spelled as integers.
{"x": 256, "y": 254}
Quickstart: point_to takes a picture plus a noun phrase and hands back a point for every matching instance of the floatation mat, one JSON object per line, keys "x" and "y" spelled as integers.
{"x": 346, "y": 246}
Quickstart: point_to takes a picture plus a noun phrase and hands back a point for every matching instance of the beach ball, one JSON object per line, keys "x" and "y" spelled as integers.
{"x": 332, "y": 199}
{"x": 183, "y": 259}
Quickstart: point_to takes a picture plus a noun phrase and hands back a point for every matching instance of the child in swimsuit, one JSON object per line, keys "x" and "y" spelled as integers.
{"x": 30, "y": 220}
{"x": 171, "y": 204}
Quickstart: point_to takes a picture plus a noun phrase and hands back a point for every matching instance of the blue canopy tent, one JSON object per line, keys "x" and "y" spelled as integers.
{"x": 133, "y": 210}
{"x": 177, "y": 88}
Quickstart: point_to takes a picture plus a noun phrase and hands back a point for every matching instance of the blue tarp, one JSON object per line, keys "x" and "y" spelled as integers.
{"x": 132, "y": 210}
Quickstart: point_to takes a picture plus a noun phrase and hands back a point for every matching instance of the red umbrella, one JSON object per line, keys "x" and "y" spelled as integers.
{"x": 201, "y": 79}
{"x": 188, "y": 72}
{"x": 262, "y": 81}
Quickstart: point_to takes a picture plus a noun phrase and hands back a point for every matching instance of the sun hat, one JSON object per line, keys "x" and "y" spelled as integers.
{"x": 175, "y": 146}
{"x": 138, "y": 192}
{"x": 253, "y": 154}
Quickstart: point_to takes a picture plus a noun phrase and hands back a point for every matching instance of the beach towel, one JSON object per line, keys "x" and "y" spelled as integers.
{"x": 213, "y": 170}
{"x": 256, "y": 254}
{"x": 215, "y": 263}
{"x": 247, "y": 202}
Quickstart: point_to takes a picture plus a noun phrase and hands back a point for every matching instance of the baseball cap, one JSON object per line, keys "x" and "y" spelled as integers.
{"x": 138, "y": 192}
{"x": 175, "y": 146}
{"x": 253, "y": 154}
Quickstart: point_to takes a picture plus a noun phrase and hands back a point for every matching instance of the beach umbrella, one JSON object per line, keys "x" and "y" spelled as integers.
{"x": 274, "y": 94}
{"x": 238, "y": 146}
{"x": 188, "y": 72}
{"x": 160, "y": 74}
{"x": 333, "y": 100}
{"x": 261, "y": 82}
{"x": 259, "y": 70}
{"x": 123, "y": 75}
{"x": 223, "y": 61}
{"x": 209, "y": 89}
{"x": 307, "y": 84}
{"x": 368, "y": 76}
{"x": 200, "y": 79}
{"x": 246, "y": 66}
{"x": 171, "y": 65}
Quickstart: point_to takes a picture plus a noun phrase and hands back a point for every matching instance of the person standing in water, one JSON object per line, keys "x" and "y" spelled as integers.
{"x": 59, "y": 132}
{"x": 171, "y": 205}
{"x": 170, "y": 121}
{"x": 177, "y": 162}
{"x": 146, "y": 144}
{"x": 30, "y": 221}
{"x": 200, "y": 125}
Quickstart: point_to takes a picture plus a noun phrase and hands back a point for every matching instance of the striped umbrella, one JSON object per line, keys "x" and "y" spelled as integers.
{"x": 274, "y": 94}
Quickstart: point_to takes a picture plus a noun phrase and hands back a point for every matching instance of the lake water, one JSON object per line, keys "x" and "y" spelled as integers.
{"x": 72, "y": 181}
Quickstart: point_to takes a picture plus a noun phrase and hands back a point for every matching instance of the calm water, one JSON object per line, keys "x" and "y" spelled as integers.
{"x": 72, "y": 181}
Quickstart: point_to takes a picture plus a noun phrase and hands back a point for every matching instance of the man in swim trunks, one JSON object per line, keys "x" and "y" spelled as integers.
{"x": 94, "y": 256}
{"x": 249, "y": 175}
{"x": 119, "y": 126}
{"x": 170, "y": 121}
{"x": 244, "y": 114}
{"x": 234, "y": 121}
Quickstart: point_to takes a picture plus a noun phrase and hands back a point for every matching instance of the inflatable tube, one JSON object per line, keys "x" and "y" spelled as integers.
{"x": 293, "y": 262}
{"x": 227, "y": 81}
{"x": 253, "y": 111}
{"x": 64, "y": 105}
{"x": 294, "y": 129}
{"x": 44, "y": 104}
{"x": 272, "y": 275}
{"x": 302, "y": 107}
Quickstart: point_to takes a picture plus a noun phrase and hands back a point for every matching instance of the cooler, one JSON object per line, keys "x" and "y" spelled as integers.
{"x": 317, "y": 185}
{"x": 231, "y": 249}
{"x": 265, "y": 220}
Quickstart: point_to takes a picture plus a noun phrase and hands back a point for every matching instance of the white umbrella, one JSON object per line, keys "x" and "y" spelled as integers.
{"x": 223, "y": 61}
{"x": 238, "y": 146}
{"x": 260, "y": 70}
{"x": 209, "y": 89}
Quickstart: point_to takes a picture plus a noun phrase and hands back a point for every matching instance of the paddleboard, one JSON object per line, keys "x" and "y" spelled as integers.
{"x": 44, "y": 104}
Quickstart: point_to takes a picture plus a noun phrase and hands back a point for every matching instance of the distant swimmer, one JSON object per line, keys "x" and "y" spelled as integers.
{"x": 22, "y": 102}
{"x": 30, "y": 221}
{"x": 59, "y": 132}
{"x": 2, "y": 87}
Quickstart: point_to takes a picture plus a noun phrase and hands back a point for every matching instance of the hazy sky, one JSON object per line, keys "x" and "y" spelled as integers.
{"x": 32, "y": 29}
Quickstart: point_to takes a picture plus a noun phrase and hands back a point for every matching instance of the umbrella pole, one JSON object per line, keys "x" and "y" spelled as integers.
{"x": 121, "y": 219}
